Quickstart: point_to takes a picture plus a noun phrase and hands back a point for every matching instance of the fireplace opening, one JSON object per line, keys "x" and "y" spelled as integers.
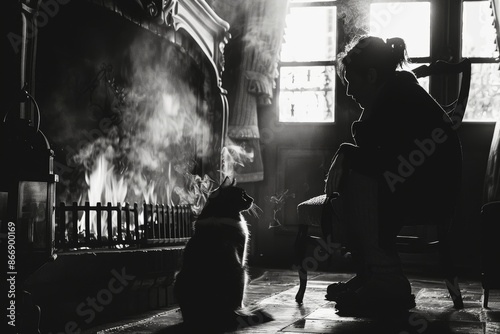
{"x": 133, "y": 112}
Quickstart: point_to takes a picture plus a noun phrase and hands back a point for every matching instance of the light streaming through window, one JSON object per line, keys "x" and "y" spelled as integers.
{"x": 310, "y": 34}
{"x": 478, "y": 43}
{"x": 307, "y": 74}
{"x": 408, "y": 20}
{"x": 307, "y": 94}
{"x": 478, "y": 34}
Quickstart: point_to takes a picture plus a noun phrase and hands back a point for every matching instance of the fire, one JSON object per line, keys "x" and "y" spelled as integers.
{"x": 104, "y": 186}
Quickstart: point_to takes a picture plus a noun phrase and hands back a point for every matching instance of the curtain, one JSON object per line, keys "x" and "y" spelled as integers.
{"x": 262, "y": 38}
{"x": 495, "y": 6}
{"x": 492, "y": 177}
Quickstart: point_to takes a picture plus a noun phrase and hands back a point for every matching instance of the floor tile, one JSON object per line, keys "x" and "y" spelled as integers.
{"x": 275, "y": 291}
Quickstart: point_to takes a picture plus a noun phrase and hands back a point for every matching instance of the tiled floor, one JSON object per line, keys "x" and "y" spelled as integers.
{"x": 275, "y": 291}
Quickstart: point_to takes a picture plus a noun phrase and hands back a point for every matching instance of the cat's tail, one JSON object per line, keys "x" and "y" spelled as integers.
{"x": 251, "y": 316}
{"x": 219, "y": 321}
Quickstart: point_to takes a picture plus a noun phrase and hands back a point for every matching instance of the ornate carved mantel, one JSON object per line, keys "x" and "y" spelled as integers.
{"x": 190, "y": 24}
{"x": 167, "y": 17}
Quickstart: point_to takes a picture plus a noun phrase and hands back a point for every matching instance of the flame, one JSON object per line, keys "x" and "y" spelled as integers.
{"x": 103, "y": 187}
{"x": 170, "y": 185}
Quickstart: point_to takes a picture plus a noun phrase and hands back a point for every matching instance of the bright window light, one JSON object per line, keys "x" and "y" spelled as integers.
{"x": 307, "y": 74}
{"x": 478, "y": 34}
{"x": 306, "y": 94}
{"x": 408, "y": 20}
{"x": 310, "y": 34}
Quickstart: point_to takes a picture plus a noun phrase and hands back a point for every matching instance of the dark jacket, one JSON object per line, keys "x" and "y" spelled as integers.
{"x": 408, "y": 144}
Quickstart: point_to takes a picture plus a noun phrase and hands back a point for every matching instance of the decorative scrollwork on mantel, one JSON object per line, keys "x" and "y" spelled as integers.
{"x": 209, "y": 31}
{"x": 168, "y": 11}
{"x": 165, "y": 17}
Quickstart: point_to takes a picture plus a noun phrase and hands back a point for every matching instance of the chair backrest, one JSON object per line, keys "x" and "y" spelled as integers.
{"x": 456, "y": 109}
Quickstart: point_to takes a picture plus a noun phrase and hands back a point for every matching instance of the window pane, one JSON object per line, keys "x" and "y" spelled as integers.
{"x": 310, "y": 34}
{"x": 32, "y": 209}
{"x": 409, "y": 20}
{"x": 484, "y": 95}
{"x": 306, "y": 94}
{"x": 478, "y": 34}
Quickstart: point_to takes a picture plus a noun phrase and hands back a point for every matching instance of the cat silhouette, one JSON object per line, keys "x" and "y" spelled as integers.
{"x": 210, "y": 285}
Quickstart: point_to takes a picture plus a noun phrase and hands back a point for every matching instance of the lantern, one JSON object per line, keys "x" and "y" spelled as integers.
{"x": 27, "y": 191}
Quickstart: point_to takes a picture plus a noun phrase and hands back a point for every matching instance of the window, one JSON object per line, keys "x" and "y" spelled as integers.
{"x": 410, "y": 21}
{"x": 307, "y": 68}
{"x": 478, "y": 36}
{"x": 307, "y": 72}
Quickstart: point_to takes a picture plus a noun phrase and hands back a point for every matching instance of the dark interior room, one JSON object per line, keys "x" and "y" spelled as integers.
{"x": 263, "y": 166}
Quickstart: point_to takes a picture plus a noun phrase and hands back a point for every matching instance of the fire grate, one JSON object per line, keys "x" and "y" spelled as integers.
{"x": 122, "y": 226}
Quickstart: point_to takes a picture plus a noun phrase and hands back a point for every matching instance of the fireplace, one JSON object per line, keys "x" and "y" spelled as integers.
{"x": 133, "y": 107}
{"x": 130, "y": 99}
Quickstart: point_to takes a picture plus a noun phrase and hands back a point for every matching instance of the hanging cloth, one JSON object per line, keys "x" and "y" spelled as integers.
{"x": 262, "y": 39}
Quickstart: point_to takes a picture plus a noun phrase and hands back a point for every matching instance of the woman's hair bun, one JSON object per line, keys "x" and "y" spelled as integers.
{"x": 398, "y": 48}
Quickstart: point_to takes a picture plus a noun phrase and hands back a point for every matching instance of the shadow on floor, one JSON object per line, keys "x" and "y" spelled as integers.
{"x": 174, "y": 329}
{"x": 413, "y": 323}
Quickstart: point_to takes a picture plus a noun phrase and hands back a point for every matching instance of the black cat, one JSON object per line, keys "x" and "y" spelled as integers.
{"x": 210, "y": 286}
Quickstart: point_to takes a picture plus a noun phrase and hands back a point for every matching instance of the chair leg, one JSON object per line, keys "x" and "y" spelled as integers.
{"x": 450, "y": 273}
{"x": 300, "y": 248}
{"x": 299, "y": 297}
{"x": 455, "y": 294}
{"x": 486, "y": 295}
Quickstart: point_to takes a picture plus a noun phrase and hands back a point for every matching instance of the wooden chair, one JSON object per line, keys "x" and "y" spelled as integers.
{"x": 441, "y": 242}
{"x": 313, "y": 213}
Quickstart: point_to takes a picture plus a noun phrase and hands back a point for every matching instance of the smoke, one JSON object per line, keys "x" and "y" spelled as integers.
{"x": 234, "y": 156}
{"x": 356, "y": 18}
{"x": 158, "y": 132}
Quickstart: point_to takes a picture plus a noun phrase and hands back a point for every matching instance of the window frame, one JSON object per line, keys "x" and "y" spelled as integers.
{"x": 445, "y": 44}
{"x": 316, "y": 63}
{"x": 477, "y": 60}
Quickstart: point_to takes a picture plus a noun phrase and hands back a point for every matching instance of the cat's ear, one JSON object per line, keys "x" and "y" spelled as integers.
{"x": 234, "y": 182}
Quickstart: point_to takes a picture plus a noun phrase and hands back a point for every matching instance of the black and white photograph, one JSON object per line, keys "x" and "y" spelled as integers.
{"x": 250, "y": 167}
